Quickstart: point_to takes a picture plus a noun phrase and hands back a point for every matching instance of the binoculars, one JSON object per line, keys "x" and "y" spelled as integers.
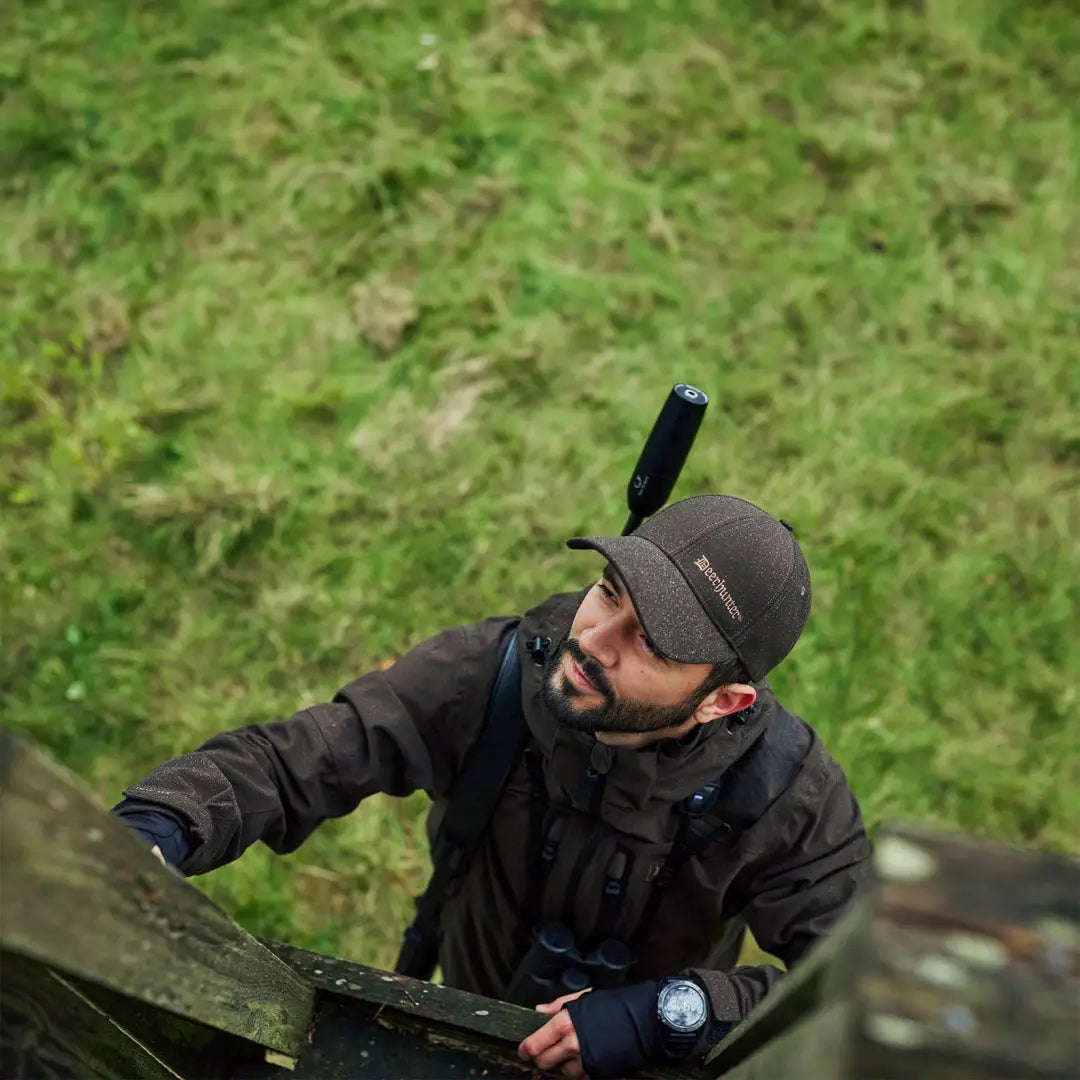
{"x": 554, "y": 966}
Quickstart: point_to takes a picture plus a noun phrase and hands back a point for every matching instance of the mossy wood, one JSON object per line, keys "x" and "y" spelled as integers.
{"x": 817, "y": 1045}
{"x": 114, "y": 966}
{"x": 451, "y": 1018}
{"x": 49, "y": 1030}
{"x": 961, "y": 963}
{"x": 82, "y": 896}
{"x": 824, "y": 976}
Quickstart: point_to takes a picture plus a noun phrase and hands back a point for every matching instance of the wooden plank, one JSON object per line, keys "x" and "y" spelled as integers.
{"x": 972, "y": 970}
{"x": 188, "y": 1048}
{"x": 468, "y": 1013}
{"x": 819, "y": 1044}
{"x": 50, "y": 1031}
{"x": 453, "y": 1018}
{"x": 353, "y": 1041}
{"x": 83, "y": 896}
{"x": 826, "y": 974}
{"x": 961, "y": 962}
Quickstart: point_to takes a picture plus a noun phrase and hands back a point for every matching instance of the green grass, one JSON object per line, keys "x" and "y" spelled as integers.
{"x": 323, "y": 323}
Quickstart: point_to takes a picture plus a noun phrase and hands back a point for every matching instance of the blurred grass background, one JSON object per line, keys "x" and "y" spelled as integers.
{"x": 323, "y": 323}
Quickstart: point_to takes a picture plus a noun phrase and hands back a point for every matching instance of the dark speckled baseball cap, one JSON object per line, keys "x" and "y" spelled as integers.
{"x": 712, "y": 569}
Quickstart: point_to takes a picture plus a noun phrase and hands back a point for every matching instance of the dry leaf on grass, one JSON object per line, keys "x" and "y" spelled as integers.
{"x": 523, "y": 18}
{"x": 383, "y": 312}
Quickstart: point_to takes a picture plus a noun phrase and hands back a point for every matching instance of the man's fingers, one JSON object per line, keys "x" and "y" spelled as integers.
{"x": 554, "y": 1048}
{"x": 557, "y": 1028}
{"x": 574, "y": 1070}
{"x": 558, "y": 1003}
{"x": 157, "y": 851}
{"x": 565, "y": 1053}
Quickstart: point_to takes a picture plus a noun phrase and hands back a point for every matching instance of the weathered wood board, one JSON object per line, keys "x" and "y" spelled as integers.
{"x": 817, "y": 1045}
{"x": 972, "y": 967}
{"x": 960, "y": 962}
{"x": 823, "y": 976}
{"x": 189, "y": 1048}
{"x": 49, "y": 1031}
{"x": 62, "y": 1028}
{"x": 453, "y": 1021}
{"x": 350, "y": 1041}
{"x": 84, "y": 897}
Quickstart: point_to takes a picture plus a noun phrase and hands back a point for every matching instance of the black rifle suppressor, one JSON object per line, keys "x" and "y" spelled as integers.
{"x": 664, "y": 453}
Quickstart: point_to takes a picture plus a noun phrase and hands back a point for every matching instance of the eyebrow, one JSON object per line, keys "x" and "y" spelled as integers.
{"x": 612, "y": 579}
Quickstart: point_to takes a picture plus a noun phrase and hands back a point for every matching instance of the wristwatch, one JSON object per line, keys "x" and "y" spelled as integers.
{"x": 683, "y": 1008}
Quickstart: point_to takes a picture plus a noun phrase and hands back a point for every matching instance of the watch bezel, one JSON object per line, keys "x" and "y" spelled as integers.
{"x": 673, "y": 984}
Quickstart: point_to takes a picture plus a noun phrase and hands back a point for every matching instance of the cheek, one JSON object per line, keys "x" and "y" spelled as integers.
{"x": 586, "y": 616}
{"x": 644, "y": 684}
{"x": 636, "y": 681}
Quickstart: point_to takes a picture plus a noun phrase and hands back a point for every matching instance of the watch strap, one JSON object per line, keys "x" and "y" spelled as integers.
{"x": 680, "y": 1044}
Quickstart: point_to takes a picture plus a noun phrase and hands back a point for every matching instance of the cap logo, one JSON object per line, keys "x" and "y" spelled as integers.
{"x": 719, "y": 586}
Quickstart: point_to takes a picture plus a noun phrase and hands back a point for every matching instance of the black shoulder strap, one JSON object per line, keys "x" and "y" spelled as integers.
{"x": 722, "y": 811}
{"x": 484, "y": 773}
{"x": 760, "y": 776}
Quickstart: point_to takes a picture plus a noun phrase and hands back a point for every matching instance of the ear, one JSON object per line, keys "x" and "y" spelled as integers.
{"x": 724, "y": 701}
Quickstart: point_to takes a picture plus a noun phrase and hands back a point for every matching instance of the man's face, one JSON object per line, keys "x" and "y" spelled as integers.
{"x": 606, "y": 676}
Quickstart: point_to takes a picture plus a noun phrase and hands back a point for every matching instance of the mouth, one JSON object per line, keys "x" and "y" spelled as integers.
{"x": 577, "y": 677}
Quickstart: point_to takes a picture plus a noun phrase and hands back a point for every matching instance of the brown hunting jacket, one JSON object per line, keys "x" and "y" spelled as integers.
{"x": 612, "y": 811}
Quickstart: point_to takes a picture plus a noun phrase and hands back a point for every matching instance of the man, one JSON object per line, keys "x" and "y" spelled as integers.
{"x": 650, "y": 689}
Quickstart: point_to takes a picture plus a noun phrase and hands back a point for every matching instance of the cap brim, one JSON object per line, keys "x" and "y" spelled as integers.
{"x": 666, "y": 605}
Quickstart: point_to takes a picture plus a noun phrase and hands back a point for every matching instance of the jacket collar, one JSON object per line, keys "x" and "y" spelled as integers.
{"x": 642, "y": 785}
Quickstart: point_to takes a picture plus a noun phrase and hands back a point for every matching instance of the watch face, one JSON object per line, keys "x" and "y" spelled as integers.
{"x": 683, "y": 1006}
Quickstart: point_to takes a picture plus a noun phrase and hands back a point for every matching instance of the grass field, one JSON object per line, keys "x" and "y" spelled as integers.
{"x": 322, "y": 324}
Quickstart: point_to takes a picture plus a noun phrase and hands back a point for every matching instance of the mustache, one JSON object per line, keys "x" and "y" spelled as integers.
{"x": 593, "y": 671}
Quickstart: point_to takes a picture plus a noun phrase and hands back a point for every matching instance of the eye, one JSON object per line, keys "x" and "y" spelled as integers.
{"x": 651, "y": 649}
{"x": 608, "y": 595}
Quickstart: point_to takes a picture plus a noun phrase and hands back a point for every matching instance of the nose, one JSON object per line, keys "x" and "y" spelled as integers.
{"x": 600, "y": 642}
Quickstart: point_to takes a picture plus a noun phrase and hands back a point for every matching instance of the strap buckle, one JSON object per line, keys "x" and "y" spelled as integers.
{"x": 701, "y": 802}
{"x": 537, "y": 648}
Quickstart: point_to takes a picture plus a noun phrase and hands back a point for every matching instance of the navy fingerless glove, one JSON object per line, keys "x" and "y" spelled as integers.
{"x": 157, "y": 826}
{"x": 618, "y": 1029}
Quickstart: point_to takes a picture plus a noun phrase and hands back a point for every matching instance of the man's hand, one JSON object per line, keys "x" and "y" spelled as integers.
{"x": 611, "y": 1033}
{"x": 554, "y": 1048}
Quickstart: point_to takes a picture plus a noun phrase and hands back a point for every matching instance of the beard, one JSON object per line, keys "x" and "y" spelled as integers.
{"x": 559, "y": 694}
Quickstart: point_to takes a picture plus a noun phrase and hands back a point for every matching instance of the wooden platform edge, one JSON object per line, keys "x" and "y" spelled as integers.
{"x": 115, "y": 917}
{"x": 484, "y": 1026}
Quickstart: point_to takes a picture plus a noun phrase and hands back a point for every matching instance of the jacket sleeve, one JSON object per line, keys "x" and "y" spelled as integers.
{"x": 794, "y": 891}
{"x": 394, "y": 731}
